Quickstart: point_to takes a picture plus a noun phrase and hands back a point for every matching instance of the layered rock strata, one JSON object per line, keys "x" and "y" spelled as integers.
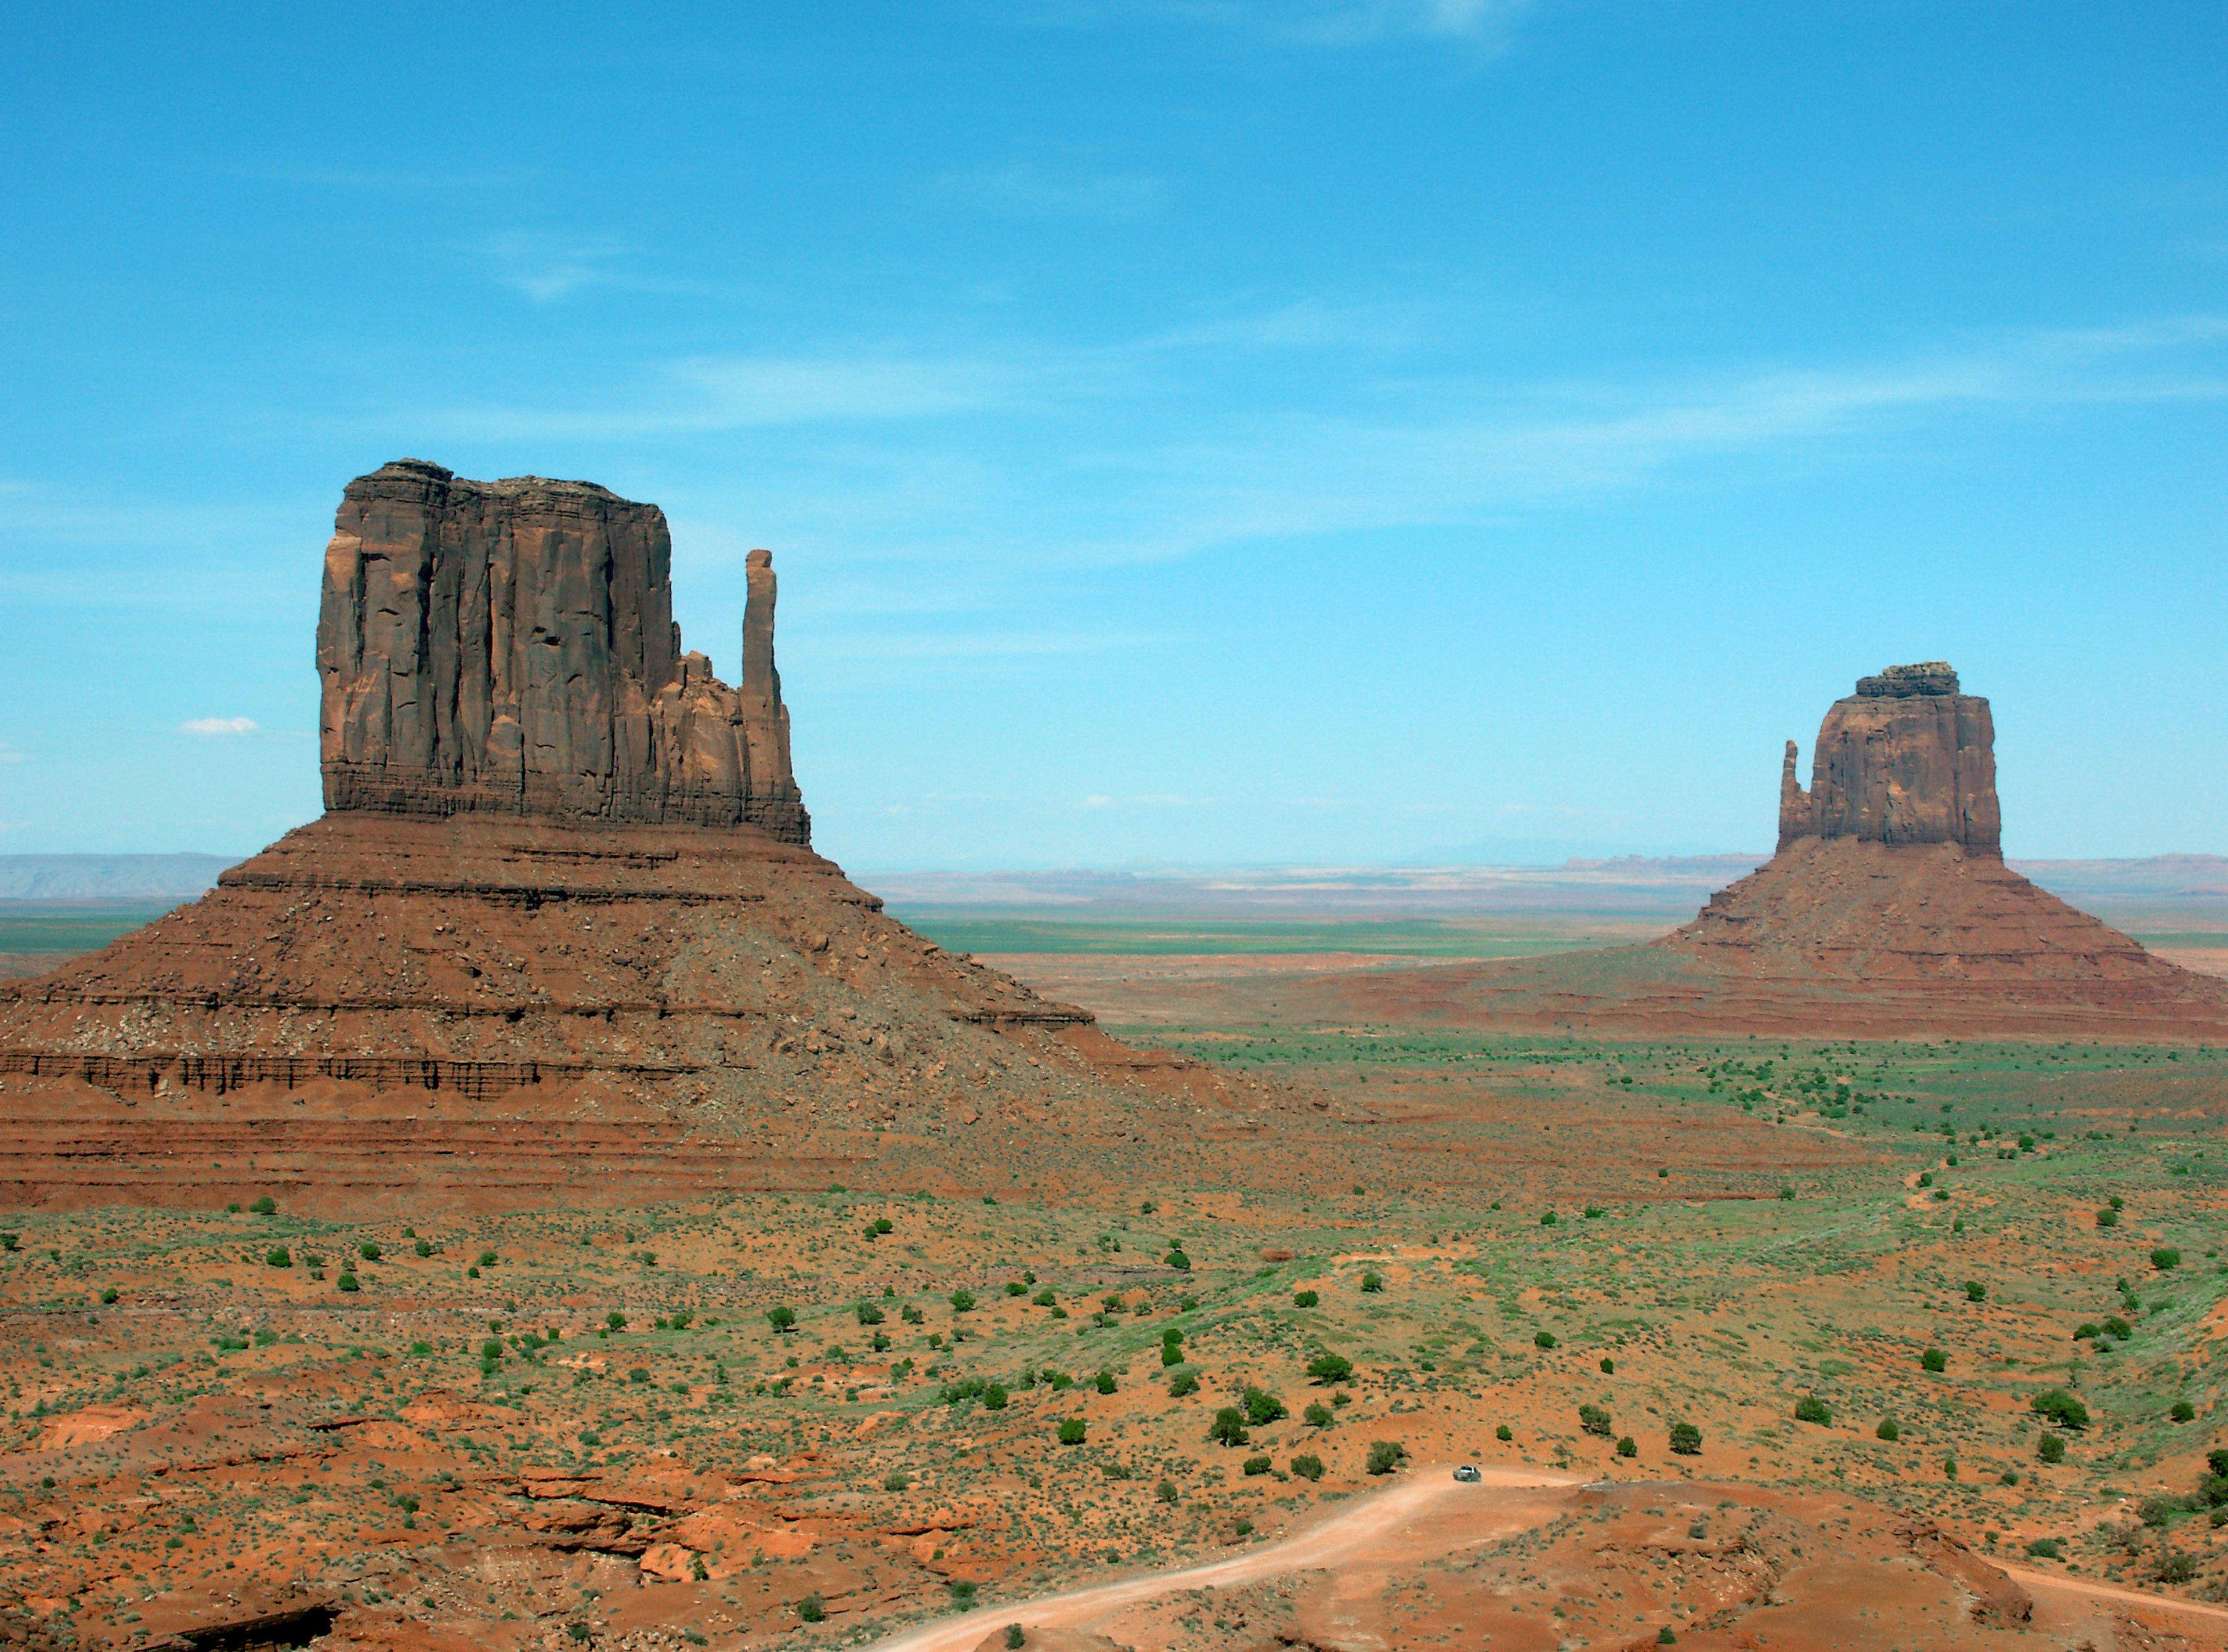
{"x": 1887, "y": 912}
{"x": 559, "y": 935}
{"x": 509, "y": 647}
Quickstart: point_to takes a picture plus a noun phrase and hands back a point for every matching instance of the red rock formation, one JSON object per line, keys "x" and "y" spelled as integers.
{"x": 509, "y": 647}
{"x": 1888, "y": 911}
{"x": 1904, "y": 760}
{"x": 557, "y": 935}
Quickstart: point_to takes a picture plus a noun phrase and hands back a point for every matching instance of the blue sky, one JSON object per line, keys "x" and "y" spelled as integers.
{"x": 1194, "y": 431}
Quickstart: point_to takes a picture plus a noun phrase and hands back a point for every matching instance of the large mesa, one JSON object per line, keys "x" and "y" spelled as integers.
{"x": 510, "y": 646}
{"x": 558, "y": 934}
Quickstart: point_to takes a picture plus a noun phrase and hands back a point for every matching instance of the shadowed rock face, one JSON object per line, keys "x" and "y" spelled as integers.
{"x": 509, "y": 647}
{"x": 1905, "y": 759}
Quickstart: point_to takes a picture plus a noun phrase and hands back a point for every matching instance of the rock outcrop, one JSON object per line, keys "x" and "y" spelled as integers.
{"x": 558, "y": 936}
{"x": 1905, "y": 759}
{"x": 1887, "y": 912}
{"x": 509, "y": 647}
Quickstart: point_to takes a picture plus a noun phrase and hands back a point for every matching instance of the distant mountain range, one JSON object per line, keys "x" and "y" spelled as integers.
{"x": 1629, "y": 883}
{"x": 110, "y": 877}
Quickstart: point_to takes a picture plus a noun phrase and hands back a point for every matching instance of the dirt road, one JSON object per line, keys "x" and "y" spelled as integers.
{"x": 1427, "y": 1512}
{"x": 1339, "y": 1538}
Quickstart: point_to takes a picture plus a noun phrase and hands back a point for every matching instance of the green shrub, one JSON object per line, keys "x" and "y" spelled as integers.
{"x": 2056, "y": 1407}
{"x": 424, "y": 1247}
{"x": 1934, "y": 1360}
{"x": 1385, "y": 1456}
{"x": 1628, "y": 1447}
{"x": 811, "y": 1609}
{"x": 2045, "y": 1548}
{"x": 1329, "y": 1367}
{"x": 278, "y": 1257}
{"x": 783, "y": 1319}
{"x": 1595, "y": 1420}
{"x": 1105, "y": 1381}
{"x": 1504, "y": 1433}
{"x": 1071, "y": 1432}
{"x": 1228, "y": 1427}
{"x": 1177, "y": 1259}
{"x": 1548, "y": 1219}
{"x": 1263, "y": 1407}
{"x": 963, "y": 1300}
{"x": 1255, "y": 1465}
{"x": 1015, "y": 1288}
{"x": 868, "y": 1313}
{"x": 1811, "y": 1409}
{"x": 2166, "y": 1257}
{"x": 487, "y": 1259}
{"x": 994, "y": 1397}
{"x": 1975, "y": 1291}
{"x": 346, "y": 1282}
{"x": 1305, "y": 1299}
{"x": 1373, "y": 1282}
{"x": 2108, "y": 1218}
{"x": 2183, "y": 1412}
{"x": 1608, "y": 1367}
{"x": 2051, "y": 1449}
{"x": 1308, "y": 1466}
{"x": 1184, "y": 1382}
{"x": 1014, "y": 1639}
{"x": 1045, "y": 1298}
{"x": 1887, "y": 1430}
{"x": 1166, "y": 1491}
{"x": 1543, "y": 1339}
{"x": 1686, "y": 1440}
{"x": 265, "y": 1206}
{"x": 1316, "y": 1415}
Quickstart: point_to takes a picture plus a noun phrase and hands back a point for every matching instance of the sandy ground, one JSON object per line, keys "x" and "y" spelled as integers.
{"x": 1394, "y": 1524}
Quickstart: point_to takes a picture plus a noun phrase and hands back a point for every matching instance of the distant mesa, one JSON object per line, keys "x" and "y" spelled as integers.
{"x": 1905, "y": 759}
{"x": 560, "y": 934}
{"x": 1887, "y": 912}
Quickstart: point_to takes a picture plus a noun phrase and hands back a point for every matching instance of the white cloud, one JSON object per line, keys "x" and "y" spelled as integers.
{"x": 219, "y": 726}
{"x": 1025, "y": 190}
{"x": 1314, "y": 22}
{"x": 707, "y": 394}
{"x": 9, "y": 753}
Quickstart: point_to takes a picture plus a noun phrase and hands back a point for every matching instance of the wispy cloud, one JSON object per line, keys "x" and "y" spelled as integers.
{"x": 1314, "y": 22}
{"x": 1023, "y": 189}
{"x": 218, "y": 727}
{"x": 546, "y": 268}
{"x": 9, "y": 753}
{"x": 708, "y": 393}
{"x": 379, "y": 180}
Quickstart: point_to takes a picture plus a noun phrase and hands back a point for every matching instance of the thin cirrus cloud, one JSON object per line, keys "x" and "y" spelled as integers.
{"x": 1314, "y": 22}
{"x": 1024, "y": 190}
{"x": 218, "y": 727}
{"x": 714, "y": 394}
{"x": 1093, "y": 455}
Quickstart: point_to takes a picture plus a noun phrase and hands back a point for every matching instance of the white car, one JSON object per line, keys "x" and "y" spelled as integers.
{"x": 1467, "y": 1473}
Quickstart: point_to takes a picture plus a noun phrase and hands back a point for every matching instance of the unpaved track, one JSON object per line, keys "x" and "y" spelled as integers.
{"x": 1346, "y": 1536}
{"x": 2032, "y": 1580}
{"x": 1336, "y": 1539}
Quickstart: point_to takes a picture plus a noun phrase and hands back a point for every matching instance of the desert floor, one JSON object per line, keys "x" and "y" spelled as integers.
{"x": 559, "y": 1427}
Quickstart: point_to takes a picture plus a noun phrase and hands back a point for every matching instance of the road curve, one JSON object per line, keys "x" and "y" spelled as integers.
{"x": 2027, "y": 1577}
{"x": 1327, "y": 1540}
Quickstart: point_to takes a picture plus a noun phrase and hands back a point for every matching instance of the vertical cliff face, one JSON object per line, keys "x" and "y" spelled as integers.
{"x": 510, "y": 646}
{"x": 1905, "y": 759}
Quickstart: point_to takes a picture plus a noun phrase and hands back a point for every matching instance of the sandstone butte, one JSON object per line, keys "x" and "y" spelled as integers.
{"x": 559, "y": 933}
{"x": 1886, "y": 911}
